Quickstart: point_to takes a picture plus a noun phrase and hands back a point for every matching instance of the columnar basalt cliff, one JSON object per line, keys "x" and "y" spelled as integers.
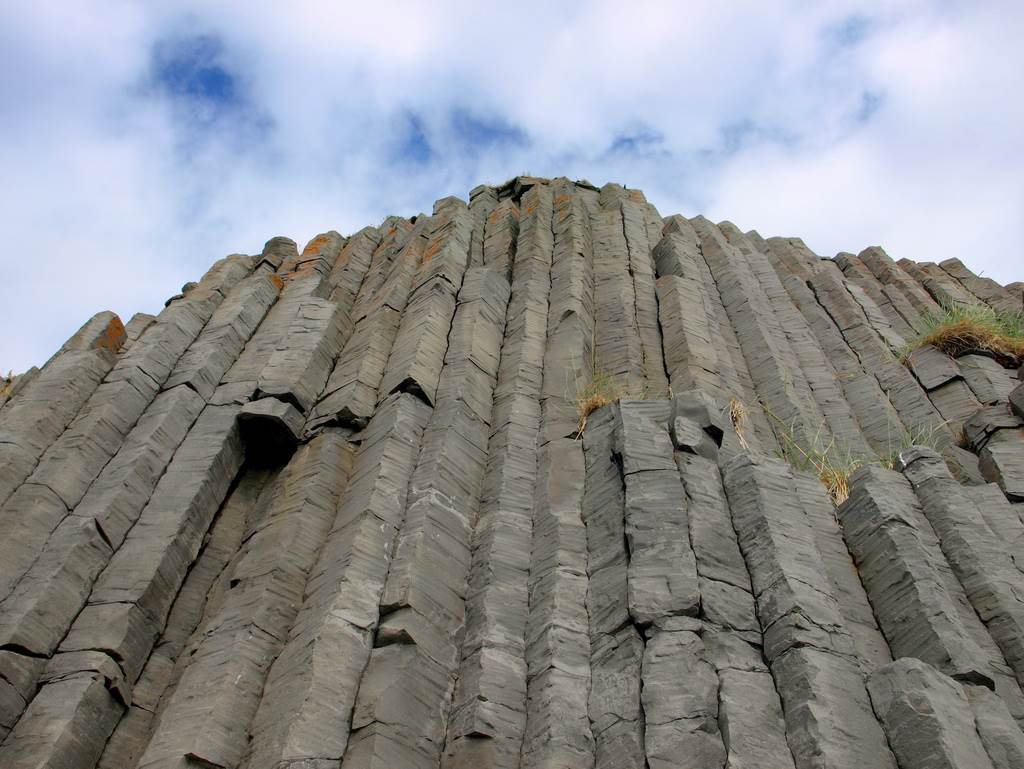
{"x": 545, "y": 480}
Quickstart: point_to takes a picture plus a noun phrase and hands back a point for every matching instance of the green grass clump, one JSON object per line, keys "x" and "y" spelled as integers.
{"x": 834, "y": 464}
{"x": 960, "y": 328}
{"x": 931, "y": 436}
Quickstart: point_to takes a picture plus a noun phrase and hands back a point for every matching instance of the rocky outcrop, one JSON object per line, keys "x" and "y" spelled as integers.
{"x": 336, "y": 508}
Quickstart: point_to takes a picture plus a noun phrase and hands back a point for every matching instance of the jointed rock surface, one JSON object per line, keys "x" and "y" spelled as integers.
{"x": 334, "y": 509}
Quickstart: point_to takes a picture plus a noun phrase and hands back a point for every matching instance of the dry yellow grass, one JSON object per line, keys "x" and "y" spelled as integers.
{"x": 829, "y": 462}
{"x": 834, "y": 464}
{"x": 601, "y": 390}
{"x": 960, "y": 329}
{"x": 738, "y": 417}
{"x": 6, "y": 384}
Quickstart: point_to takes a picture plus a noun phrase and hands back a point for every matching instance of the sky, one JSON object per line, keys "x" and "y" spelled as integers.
{"x": 140, "y": 142}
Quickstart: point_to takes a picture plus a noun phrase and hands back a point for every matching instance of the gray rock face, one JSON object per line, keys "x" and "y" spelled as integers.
{"x": 532, "y": 482}
{"x": 926, "y": 717}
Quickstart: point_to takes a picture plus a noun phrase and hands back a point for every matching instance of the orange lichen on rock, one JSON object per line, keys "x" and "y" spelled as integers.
{"x": 113, "y": 335}
{"x": 316, "y": 245}
{"x": 495, "y": 216}
{"x": 432, "y": 250}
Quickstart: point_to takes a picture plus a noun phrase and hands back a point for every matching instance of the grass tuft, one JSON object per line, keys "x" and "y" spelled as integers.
{"x": 601, "y": 390}
{"x": 923, "y": 435}
{"x": 738, "y": 417}
{"x": 834, "y": 464}
{"x": 831, "y": 463}
{"x": 6, "y": 384}
{"x": 962, "y": 328}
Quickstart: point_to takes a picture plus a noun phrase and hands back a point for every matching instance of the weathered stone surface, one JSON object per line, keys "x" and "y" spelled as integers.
{"x": 208, "y": 714}
{"x": 749, "y": 711}
{"x": 306, "y": 710}
{"x": 66, "y": 725}
{"x": 989, "y": 381}
{"x": 985, "y": 289}
{"x": 843, "y": 578}
{"x": 71, "y": 464}
{"x": 997, "y": 434}
{"x": 506, "y": 486}
{"x": 45, "y": 407}
{"x": 902, "y": 579}
{"x": 726, "y": 596}
{"x": 926, "y": 716}
{"x": 779, "y": 381}
{"x": 806, "y": 642}
{"x": 270, "y": 428}
{"x": 557, "y": 640}
{"x": 662, "y": 575}
{"x": 993, "y": 583}
{"x": 351, "y": 394}
{"x": 1016, "y": 399}
{"x": 681, "y": 706}
{"x": 224, "y": 336}
{"x": 999, "y": 732}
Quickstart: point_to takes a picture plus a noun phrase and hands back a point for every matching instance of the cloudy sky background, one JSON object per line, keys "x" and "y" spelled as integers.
{"x": 139, "y": 142}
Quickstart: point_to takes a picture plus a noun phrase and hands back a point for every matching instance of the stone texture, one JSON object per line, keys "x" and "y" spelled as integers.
{"x": 806, "y": 641}
{"x": 901, "y": 573}
{"x": 926, "y": 715}
{"x": 530, "y": 482}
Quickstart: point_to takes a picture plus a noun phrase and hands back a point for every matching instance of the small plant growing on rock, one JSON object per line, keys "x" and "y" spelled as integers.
{"x": 932, "y": 436}
{"x": 960, "y": 328}
{"x": 738, "y": 417}
{"x": 834, "y": 464}
{"x": 601, "y": 390}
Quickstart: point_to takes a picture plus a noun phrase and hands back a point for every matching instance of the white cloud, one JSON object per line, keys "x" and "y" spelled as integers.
{"x": 115, "y": 192}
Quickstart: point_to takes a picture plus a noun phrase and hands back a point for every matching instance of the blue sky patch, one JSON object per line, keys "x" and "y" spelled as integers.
{"x": 472, "y": 132}
{"x": 850, "y": 32}
{"x": 642, "y": 139}
{"x": 191, "y": 68}
{"x": 413, "y": 145}
{"x": 207, "y": 95}
{"x": 870, "y": 103}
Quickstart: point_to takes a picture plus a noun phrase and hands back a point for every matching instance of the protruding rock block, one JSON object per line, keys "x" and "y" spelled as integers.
{"x": 103, "y": 331}
{"x": 990, "y": 578}
{"x": 927, "y": 718}
{"x": 277, "y": 251}
{"x": 270, "y": 428}
{"x": 997, "y": 434}
{"x": 806, "y": 642}
{"x": 681, "y": 704}
{"x": 999, "y": 732}
{"x": 989, "y": 381}
{"x": 901, "y": 572}
{"x": 699, "y": 424}
{"x": 1016, "y": 400}
{"x": 66, "y": 725}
